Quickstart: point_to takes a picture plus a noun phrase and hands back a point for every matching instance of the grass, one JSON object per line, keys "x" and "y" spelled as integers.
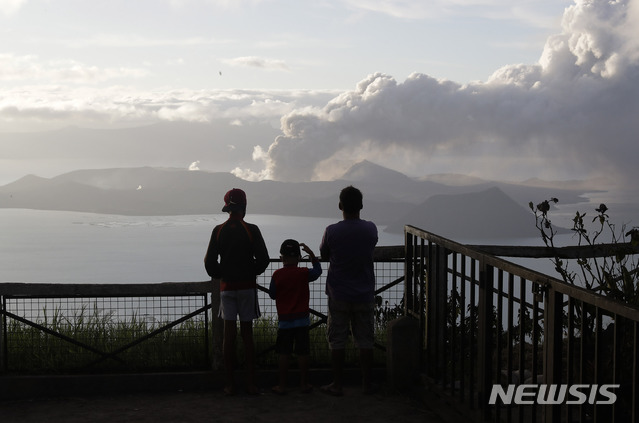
{"x": 31, "y": 350}
{"x": 182, "y": 347}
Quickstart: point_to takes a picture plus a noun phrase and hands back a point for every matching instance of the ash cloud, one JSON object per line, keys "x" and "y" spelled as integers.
{"x": 573, "y": 112}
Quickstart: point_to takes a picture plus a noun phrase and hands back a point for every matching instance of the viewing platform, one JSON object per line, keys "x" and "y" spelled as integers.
{"x": 452, "y": 321}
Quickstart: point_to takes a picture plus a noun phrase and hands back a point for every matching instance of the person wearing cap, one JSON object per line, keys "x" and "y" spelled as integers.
{"x": 350, "y": 286}
{"x": 236, "y": 255}
{"x": 289, "y": 288}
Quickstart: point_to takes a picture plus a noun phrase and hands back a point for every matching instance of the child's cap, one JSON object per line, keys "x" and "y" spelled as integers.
{"x": 290, "y": 248}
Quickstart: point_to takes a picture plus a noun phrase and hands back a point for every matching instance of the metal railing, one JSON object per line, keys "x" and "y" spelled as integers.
{"x": 389, "y": 276}
{"x": 488, "y": 323}
{"x": 80, "y": 328}
{"x": 88, "y": 328}
{"x": 484, "y": 322}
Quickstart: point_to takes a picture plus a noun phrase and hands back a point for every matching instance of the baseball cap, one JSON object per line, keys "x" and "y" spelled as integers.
{"x": 290, "y": 248}
{"x": 234, "y": 200}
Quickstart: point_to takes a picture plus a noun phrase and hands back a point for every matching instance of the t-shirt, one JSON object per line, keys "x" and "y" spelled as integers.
{"x": 242, "y": 254}
{"x": 349, "y": 246}
{"x": 289, "y": 288}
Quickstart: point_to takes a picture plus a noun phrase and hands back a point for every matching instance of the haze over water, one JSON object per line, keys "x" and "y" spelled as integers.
{"x": 73, "y": 247}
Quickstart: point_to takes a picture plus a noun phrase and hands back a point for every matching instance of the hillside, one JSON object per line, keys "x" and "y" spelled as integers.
{"x": 485, "y": 214}
{"x": 487, "y": 209}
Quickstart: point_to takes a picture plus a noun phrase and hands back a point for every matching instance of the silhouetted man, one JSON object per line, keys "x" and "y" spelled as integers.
{"x": 242, "y": 256}
{"x": 350, "y": 285}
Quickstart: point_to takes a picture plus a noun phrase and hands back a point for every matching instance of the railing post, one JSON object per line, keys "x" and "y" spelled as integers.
{"x": 552, "y": 346}
{"x": 409, "y": 261}
{"x": 440, "y": 285}
{"x": 485, "y": 338}
{"x": 435, "y": 308}
{"x": 3, "y": 361}
{"x": 217, "y": 326}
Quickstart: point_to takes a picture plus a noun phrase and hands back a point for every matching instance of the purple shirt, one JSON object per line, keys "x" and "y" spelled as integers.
{"x": 349, "y": 247}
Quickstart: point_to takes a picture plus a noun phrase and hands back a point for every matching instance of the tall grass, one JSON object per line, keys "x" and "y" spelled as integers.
{"x": 182, "y": 347}
{"x": 31, "y": 350}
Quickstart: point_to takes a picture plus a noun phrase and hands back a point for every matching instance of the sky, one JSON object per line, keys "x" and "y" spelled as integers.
{"x": 497, "y": 89}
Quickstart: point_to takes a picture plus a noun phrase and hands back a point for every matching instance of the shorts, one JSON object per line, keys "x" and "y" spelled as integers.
{"x": 298, "y": 336}
{"x": 344, "y": 315}
{"x": 242, "y": 302}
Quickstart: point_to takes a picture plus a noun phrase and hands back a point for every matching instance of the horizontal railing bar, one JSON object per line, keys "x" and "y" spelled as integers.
{"x": 389, "y": 253}
{"x": 548, "y": 282}
{"x": 61, "y": 290}
{"x": 570, "y": 252}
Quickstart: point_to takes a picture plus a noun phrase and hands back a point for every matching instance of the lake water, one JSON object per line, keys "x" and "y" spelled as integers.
{"x": 73, "y": 247}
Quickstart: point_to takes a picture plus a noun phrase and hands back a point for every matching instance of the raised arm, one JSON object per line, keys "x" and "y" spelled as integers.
{"x": 316, "y": 271}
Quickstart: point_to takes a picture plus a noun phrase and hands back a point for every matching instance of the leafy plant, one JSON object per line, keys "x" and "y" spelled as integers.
{"x": 614, "y": 274}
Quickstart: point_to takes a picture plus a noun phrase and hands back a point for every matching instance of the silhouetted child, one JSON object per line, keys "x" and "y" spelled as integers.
{"x": 289, "y": 288}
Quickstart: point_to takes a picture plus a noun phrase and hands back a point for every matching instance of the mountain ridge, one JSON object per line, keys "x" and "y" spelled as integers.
{"x": 476, "y": 215}
{"x": 390, "y": 198}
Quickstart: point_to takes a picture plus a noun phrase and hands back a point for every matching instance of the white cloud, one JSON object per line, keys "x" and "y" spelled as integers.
{"x": 523, "y": 11}
{"x": 31, "y": 68}
{"x": 86, "y": 106}
{"x": 250, "y": 175}
{"x": 576, "y": 110}
{"x": 176, "y": 62}
{"x": 572, "y": 111}
{"x": 258, "y": 62}
{"x": 195, "y": 165}
{"x": 405, "y": 9}
{"x": 139, "y": 41}
{"x": 9, "y": 7}
{"x": 220, "y": 4}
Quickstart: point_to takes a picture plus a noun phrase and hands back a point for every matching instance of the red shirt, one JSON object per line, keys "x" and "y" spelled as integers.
{"x": 289, "y": 288}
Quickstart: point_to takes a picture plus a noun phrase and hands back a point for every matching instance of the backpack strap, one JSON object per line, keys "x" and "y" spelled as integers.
{"x": 246, "y": 228}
